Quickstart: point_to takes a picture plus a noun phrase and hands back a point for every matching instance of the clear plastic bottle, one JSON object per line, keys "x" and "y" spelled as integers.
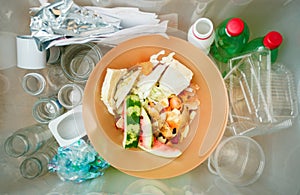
{"x": 27, "y": 140}
{"x": 37, "y": 164}
{"x": 271, "y": 40}
{"x": 231, "y": 37}
{"x": 201, "y": 34}
{"x": 46, "y": 109}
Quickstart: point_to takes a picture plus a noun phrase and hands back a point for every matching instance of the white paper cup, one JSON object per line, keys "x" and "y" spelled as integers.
{"x": 28, "y": 54}
{"x": 239, "y": 160}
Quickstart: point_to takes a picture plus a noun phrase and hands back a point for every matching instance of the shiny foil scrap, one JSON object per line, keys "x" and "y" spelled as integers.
{"x": 63, "y": 19}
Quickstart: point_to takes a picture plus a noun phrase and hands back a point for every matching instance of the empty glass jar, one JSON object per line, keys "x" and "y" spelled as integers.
{"x": 79, "y": 60}
{"x": 70, "y": 95}
{"x": 46, "y": 109}
{"x": 27, "y": 141}
{"x": 44, "y": 83}
{"x": 37, "y": 164}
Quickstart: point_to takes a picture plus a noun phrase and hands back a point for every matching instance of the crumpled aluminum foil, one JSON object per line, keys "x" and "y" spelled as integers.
{"x": 64, "y": 18}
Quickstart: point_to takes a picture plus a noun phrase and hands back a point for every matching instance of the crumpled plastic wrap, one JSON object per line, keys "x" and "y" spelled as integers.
{"x": 64, "y": 23}
{"x": 78, "y": 162}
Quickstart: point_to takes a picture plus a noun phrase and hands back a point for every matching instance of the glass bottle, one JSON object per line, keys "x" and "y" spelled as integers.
{"x": 271, "y": 40}
{"x": 79, "y": 60}
{"x": 201, "y": 34}
{"x": 231, "y": 37}
{"x": 46, "y": 109}
{"x": 70, "y": 95}
{"x": 27, "y": 141}
{"x": 37, "y": 164}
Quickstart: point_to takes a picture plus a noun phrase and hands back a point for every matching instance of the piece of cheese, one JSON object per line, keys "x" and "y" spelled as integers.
{"x": 176, "y": 78}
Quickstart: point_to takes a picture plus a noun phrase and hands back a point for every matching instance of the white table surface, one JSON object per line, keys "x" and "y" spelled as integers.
{"x": 282, "y": 149}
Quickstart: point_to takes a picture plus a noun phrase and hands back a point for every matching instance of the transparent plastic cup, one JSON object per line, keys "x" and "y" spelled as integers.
{"x": 238, "y": 160}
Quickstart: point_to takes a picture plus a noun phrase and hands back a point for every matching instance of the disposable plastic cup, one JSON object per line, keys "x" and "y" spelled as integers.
{"x": 238, "y": 160}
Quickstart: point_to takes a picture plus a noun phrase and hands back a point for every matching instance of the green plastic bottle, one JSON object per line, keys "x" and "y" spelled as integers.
{"x": 271, "y": 40}
{"x": 231, "y": 37}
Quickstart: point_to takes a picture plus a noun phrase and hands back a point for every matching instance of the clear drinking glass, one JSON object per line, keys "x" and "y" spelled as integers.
{"x": 27, "y": 141}
{"x": 37, "y": 164}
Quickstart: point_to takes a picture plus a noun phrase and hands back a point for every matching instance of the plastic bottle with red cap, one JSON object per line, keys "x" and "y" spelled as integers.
{"x": 272, "y": 40}
{"x": 231, "y": 37}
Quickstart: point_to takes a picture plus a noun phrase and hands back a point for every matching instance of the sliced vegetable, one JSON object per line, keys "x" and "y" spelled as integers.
{"x": 163, "y": 150}
{"x": 132, "y": 114}
{"x": 146, "y": 137}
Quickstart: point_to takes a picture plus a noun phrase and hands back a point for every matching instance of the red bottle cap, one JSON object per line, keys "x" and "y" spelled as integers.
{"x": 272, "y": 40}
{"x": 235, "y": 26}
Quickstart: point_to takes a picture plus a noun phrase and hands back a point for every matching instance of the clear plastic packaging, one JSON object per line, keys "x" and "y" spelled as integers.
{"x": 77, "y": 162}
{"x": 283, "y": 89}
{"x": 262, "y": 98}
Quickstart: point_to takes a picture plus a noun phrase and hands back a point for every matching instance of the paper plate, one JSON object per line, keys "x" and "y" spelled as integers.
{"x": 207, "y": 128}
